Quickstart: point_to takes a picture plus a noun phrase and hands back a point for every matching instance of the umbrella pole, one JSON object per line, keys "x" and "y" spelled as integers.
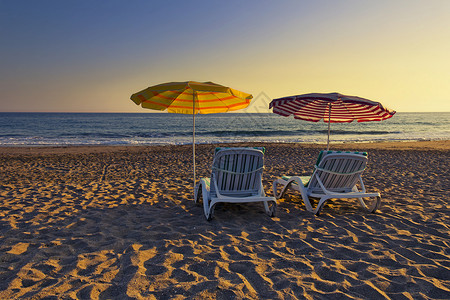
{"x": 193, "y": 135}
{"x": 329, "y": 123}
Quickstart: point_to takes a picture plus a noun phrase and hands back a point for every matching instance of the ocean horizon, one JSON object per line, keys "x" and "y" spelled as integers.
{"x": 77, "y": 129}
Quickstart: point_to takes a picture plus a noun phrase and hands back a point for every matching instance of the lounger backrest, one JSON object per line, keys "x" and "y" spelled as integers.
{"x": 324, "y": 153}
{"x": 237, "y": 171}
{"x": 338, "y": 171}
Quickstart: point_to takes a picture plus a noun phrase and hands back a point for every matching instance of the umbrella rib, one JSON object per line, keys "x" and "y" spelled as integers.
{"x": 226, "y": 106}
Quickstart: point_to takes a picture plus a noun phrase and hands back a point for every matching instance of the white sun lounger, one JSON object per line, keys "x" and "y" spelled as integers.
{"x": 236, "y": 177}
{"x": 336, "y": 175}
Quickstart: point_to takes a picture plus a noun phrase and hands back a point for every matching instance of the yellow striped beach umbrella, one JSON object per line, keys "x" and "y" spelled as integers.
{"x": 191, "y": 97}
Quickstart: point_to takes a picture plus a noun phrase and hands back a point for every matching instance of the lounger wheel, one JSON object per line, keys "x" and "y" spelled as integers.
{"x": 371, "y": 206}
{"x": 378, "y": 204}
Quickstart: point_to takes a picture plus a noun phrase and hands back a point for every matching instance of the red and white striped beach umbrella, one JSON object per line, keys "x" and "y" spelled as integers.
{"x": 332, "y": 108}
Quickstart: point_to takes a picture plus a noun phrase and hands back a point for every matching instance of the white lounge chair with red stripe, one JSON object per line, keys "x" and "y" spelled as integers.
{"x": 336, "y": 175}
{"x": 236, "y": 177}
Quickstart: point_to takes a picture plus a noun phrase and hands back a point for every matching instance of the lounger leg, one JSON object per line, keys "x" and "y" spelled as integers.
{"x": 270, "y": 207}
{"x": 320, "y": 205}
{"x": 303, "y": 191}
{"x": 284, "y": 188}
{"x": 210, "y": 211}
{"x": 282, "y": 192}
{"x": 196, "y": 193}
{"x": 206, "y": 208}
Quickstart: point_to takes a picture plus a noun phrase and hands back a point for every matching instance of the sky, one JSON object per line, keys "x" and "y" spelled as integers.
{"x": 91, "y": 55}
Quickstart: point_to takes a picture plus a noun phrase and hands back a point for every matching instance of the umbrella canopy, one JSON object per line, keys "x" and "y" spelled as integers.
{"x": 191, "y": 97}
{"x": 331, "y": 107}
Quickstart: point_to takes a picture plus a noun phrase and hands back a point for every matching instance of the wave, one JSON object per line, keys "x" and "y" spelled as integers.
{"x": 207, "y": 134}
{"x": 114, "y": 135}
{"x": 357, "y": 132}
{"x": 281, "y": 133}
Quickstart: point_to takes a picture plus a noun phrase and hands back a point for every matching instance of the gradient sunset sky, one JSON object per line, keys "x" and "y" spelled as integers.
{"x": 91, "y": 55}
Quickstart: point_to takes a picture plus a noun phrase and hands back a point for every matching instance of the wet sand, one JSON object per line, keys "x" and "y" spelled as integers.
{"x": 120, "y": 222}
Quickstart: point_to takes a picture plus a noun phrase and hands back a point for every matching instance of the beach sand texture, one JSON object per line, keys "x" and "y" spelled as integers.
{"x": 120, "y": 222}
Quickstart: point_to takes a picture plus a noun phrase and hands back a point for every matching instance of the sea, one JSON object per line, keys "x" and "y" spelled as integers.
{"x": 67, "y": 129}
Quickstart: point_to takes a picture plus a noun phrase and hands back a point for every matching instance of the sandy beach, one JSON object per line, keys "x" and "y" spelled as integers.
{"x": 120, "y": 222}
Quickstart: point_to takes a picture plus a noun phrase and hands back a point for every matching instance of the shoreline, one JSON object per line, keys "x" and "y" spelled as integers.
{"x": 441, "y": 145}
